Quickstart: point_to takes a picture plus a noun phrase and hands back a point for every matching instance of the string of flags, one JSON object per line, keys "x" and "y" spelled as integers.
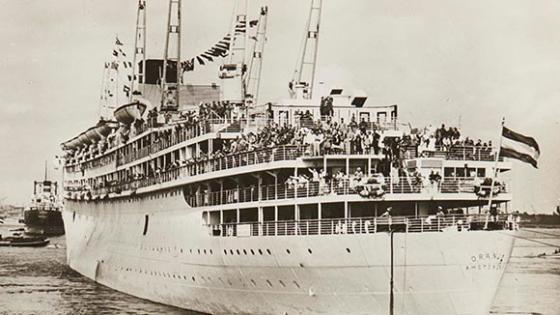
{"x": 218, "y": 50}
{"x": 115, "y": 65}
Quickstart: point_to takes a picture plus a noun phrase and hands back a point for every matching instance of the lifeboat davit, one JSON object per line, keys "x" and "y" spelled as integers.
{"x": 128, "y": 113}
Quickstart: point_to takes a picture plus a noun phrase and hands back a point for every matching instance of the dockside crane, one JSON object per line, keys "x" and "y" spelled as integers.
{"x": 233, "y": 71}
{"x": 172, "y": 57}
{"x": 303, "y": 80}
{"x": 254, "y": 72}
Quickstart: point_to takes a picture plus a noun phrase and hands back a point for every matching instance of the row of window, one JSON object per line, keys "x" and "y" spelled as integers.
{"x": 201, "y": 279}
{"x": 230, "y": 252}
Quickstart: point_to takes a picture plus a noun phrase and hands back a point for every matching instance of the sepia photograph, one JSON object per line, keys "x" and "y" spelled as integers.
{"x": 280, "y": 157}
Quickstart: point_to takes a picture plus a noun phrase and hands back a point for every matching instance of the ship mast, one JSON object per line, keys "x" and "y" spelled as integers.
{"x": 103, "y": 104}
{"x": 138, "y": 76}
{"x": 304, "y": 74}
{"x": 46, "y": 175}
{"x": 170, "y": 90}
{"x": 255, "y": 67}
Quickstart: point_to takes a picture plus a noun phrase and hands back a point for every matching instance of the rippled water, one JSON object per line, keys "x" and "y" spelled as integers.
{"x": 37, "y": 281}
{"x": 531, "y": 283}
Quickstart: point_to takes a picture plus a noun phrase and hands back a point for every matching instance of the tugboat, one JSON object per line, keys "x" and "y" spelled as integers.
{"x": 43, "y": 216}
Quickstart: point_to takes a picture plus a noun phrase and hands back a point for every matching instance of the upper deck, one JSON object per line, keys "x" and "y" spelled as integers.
{"x": 184, "y": 151}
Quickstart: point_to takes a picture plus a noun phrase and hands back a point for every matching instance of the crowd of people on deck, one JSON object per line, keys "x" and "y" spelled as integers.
{"x": 318, "y": 137}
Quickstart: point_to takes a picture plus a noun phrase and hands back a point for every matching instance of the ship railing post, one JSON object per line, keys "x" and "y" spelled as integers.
{"x": 374, "y": 225}
{"x": 421, "y": 225}
{"x": 360, "y": 226}
{"x": 406, "y": 224}
{"x": 439, "y": 223}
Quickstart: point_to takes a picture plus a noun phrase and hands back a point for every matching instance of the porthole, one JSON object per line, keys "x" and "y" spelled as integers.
{"x": 268, "y": 251}
{"x": 310, "y": 251}
{"x": 288, "y": 251}
{"x": 252, "y": 252}
{"x": 231, "y": 251}
{"x": 245, "y": 252}
{"x": 269, "y": 283}
{"x": 348, "y": 250}
{"x": 190, "y": 250}
{"x": 238, "y": 253}
{"x": 282, "y": 283}
{"x": 260, "y": 251}
{"x": 205, "y": 252}
{"x": 199, "y": 251}
{"x": 296, "y": 284}
{"x": 253, "y": 283}
{"x": 225, "y": 251}
{"x": 211, "y": 253}
{"x": 193, "y": 280}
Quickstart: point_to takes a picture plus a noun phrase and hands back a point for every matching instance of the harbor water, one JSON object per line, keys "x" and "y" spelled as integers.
{"x": 37, "y": 281}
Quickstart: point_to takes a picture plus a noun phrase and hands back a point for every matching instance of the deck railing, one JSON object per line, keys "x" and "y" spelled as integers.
{"x": 363, "y": 225}
{"x": 401, "y": 185}
{"x": 169, "y": 137}
{"x": 282, "y": 153}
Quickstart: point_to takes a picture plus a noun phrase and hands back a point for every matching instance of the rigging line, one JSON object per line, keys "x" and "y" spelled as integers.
{"x": 543, "y": 233}
{"x": 534, "y": 241}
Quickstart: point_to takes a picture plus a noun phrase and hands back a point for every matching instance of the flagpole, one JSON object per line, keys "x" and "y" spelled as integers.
{"x": 495, "y": 173}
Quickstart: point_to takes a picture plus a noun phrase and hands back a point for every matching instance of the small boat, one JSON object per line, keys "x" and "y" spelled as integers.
{"x": 17, "y": 241}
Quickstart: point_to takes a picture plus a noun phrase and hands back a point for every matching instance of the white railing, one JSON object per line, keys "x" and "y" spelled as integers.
{"x": 363, "y": 225}
{"x": 400, "y": 185}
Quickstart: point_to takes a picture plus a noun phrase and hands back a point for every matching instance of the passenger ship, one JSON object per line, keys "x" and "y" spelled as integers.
{"x": 152, "y": 210}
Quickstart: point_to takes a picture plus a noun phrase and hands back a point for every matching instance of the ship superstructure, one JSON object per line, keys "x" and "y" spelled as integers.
{"x": 316, "y": 204}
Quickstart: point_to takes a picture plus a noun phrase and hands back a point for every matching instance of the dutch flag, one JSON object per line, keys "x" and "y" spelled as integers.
{"x": 520, "y": 147}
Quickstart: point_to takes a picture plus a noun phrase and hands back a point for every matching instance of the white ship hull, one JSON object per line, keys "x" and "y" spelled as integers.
{"x": 178, "y": 262}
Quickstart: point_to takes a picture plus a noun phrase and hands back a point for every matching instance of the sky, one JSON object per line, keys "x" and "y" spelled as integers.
{"x": 466, "y": 63}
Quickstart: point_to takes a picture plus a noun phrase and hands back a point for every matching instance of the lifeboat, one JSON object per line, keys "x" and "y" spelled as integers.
{"x": 83, "y": 139}
{"x": 92, "y": 135}
{"x": 71, "y": 144}
{"x": 128, "y": 113}
{"x": 103, "y": 128}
